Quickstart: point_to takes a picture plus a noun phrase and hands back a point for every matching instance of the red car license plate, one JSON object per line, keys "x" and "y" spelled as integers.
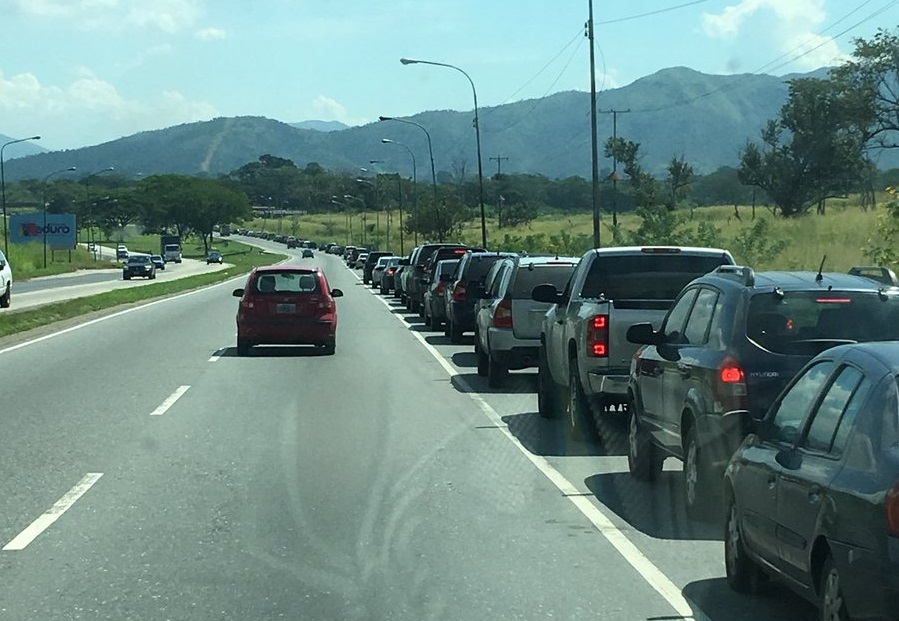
{"x": 286, "y": 308}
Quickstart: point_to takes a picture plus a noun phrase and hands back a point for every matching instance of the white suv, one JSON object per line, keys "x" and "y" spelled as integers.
{"x": 5, "y": 282}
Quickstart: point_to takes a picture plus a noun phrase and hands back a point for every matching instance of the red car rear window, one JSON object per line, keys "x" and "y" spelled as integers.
{"x": 287, "y": 282}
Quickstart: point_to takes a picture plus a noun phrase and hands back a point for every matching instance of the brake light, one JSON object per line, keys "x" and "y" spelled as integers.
{"x": 391, "y": 270}
{"x": 892, "y": 509}
{"x": 459, "y": 293}
{"x": 598, "y": 337}
{"x": 731, "y": 378}
{"x": 833, "y": 300}
{"x": 660, "y": 250}
{"x": 502, "y": 315}
{"x": 438, "y": 290}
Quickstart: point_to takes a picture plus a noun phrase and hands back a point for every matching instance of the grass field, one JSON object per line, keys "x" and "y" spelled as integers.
{"x": 800, "y": 243}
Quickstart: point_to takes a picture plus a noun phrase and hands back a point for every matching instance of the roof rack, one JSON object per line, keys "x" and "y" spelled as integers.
{"x": 882, "y": 275}
{"x": 744, "y": 274}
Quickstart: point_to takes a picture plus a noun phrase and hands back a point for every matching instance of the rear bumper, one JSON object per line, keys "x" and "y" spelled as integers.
{"x": 288, "y": 332}
{"x": 511, "y": 351}
{"x": 611, "y": 382}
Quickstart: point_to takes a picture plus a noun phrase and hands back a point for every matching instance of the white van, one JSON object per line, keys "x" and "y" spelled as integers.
{"x": 5, "y": 282}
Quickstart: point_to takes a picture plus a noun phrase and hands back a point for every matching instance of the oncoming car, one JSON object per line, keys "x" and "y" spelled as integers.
{"x": 139, "y": 265}
{"x": 287, "y": 305}
{"x": 214, "y": 256}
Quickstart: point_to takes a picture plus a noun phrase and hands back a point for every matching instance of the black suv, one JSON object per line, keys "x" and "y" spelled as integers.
{"x": 730, "y": 343}
{"x": 370, "y": 263}
{"x": 139, "y": 265}
{"x": 472, "y": 269}
{"x": 416, "y": 279}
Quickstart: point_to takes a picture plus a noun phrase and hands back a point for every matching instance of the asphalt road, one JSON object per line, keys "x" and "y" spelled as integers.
{"x": 150, "y": 473}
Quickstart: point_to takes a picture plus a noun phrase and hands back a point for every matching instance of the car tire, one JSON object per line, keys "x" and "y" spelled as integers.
{"x": 436, "y": 324}
{"x": 643, "y": 459}
{"x": 447, "y": 328}
{"x": 831, "y": 603}
{"x": 126, "y": 277}
{"x": 426, "y": 316}
{"x": 697, "y": 478}
{"x": 743, "y": 574}
{"x": 6, "y": 298}
{"x": 580, "y": 418}
{"x": 330, "y": 347}
{"x": 496, "y": 372}
{"x": 547, "y": 389}
{"x": 243, "y": 347}
{"x": 455, "y": 333}
{"x": 152, "y": 276}
{"x": 483, "y": 359}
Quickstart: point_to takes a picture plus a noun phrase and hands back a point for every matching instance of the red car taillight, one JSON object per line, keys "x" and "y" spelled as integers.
{"x": 598, "y": 337}
{"x": 502, "y": 314}
{"x": 439, "y": 289}
{"x": 390, "y": 271}
{"x": 892, "y": 509}
{"x": 459, "y": 292}
{"x": 731, "y": 379}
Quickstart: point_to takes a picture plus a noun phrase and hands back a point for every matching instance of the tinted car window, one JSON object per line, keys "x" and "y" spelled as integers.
{"x": 526, "y": 278}
{"x": 836, "y": 414}
{"x": 674, "y": 323}
{"x": 138, "y": 260}
{"x": 781, "y": 325}
{"x": 646, "y": 277}
{"x": 701, "y": 317}
{"x": 795, "y": 404}
{"x": 287, "y": 282}
{"x": 480, "y": 265}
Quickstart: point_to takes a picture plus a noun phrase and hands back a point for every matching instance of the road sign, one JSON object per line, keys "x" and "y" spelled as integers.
{"x": 27, "y": 228}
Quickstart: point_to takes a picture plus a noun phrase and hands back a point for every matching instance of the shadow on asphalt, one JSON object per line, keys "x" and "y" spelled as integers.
{"x": 514, "y": 384}
{"x": 465, "y": 358}
{"x": 656, "y": 509}
{"x": 548, "y": 437}
{"x": 773, "y": 602}
{"x": 276, "y": 351}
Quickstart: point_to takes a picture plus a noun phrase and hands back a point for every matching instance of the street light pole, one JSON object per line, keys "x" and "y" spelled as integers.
{"x": 477, "y": 130}
{"x": 414, "y": 186}
{"x": 3, "y": 190}
{"x": 90, "y": 208}
{"x": 593, "y": 139}
{"x": 44, "y": 205}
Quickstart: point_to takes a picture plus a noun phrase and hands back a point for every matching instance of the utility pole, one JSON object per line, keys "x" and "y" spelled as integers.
{"x": 499, "y": 163}
{"x": 594, "y": 144}
{"x": 615, "y": 114}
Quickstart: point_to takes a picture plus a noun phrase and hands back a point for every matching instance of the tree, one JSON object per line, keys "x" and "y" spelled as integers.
{"x": 812, "y": 152}
{"x": 680, "y": 176}
{"x": 642, "y": 185}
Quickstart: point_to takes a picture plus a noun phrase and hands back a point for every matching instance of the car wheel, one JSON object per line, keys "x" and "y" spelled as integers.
{"x": 643, "y": 460}
{"x": 447, "y": 327}
{"x": 455, "y": 334}
{"x": 243, "y": 347}
{"x": 427, "y": 316}
{"x": 6, "y": 298}
{"x": 126, "y": 277}
{"x": 696, "y": 478}
{"x": 832, "y": 605}
{"x": 330, "y": 347}
{"x": 743, "y": 575}
{"x": 483, "y": 360}
{"x": 580, "y": 419}
{"x": 436, "y": 324}
{"x": 547, "y": 389}
{"x": 496, "y": 370}
{"x": 152, "y": 276}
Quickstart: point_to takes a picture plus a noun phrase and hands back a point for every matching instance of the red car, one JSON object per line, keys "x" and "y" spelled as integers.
{"x": 287, "y": 305}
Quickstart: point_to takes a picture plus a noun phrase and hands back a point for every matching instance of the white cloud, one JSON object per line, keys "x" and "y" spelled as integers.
{"x": 89, "y": 110}
{"x": 792, "y": 14}
{"x": 167, "y": 15}
{"x": 210, "y": 34}
{"x": 327, "y": 109}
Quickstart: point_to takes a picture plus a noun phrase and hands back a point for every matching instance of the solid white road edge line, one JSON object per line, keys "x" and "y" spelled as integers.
{"x": 215, "y": 357}
{"x": 52, "y": 335}
{"x": 61, "y": 506}
{"x": 170, "y": 401}
{"x": 628, "y": 550}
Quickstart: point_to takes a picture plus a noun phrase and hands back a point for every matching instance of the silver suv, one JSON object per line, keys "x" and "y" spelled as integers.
{"x": 507, "y": 319}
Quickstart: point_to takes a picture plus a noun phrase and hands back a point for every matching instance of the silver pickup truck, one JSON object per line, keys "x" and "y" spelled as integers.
{"x": 584, "y": 357}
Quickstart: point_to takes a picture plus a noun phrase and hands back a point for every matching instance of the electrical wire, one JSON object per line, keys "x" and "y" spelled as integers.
{"x": 648, "y": 14}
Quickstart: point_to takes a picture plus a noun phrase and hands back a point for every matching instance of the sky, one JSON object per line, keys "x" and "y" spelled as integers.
{"x": 83, "y": 72}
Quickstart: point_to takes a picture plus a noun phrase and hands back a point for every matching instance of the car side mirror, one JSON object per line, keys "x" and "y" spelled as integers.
{"x": 238, "y": 293}
{"x": 789, "y": 459}
{"x": 642, "y": 334}
{"x": 336, "y": 293}
{"x": 545, "y": 293}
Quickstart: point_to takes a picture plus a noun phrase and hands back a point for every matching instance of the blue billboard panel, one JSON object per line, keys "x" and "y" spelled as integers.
{"x": 27, "y": 228}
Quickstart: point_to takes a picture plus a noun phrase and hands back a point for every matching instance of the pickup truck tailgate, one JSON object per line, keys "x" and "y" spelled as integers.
{"x": 626, "y": 313}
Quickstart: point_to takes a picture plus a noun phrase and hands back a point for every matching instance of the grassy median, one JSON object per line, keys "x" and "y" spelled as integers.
{"x": 242, "y": 257}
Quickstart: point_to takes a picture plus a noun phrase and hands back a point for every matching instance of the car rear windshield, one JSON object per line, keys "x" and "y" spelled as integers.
{"x": 646, "y": 276}
{"x": 287, "y": 282}
{"x": 425, "y": 253}
{"x": 447, "y": 266}
{"x": 807, "y": 319}
{"x": 541, "y": 274}
{"x": 479, "y": 265}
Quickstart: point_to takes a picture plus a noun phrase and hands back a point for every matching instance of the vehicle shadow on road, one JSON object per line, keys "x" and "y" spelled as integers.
{"x": 656, "y": 509}
{"x": 276, "y": 351}
{"x": 548, "y": 437}
{"x": 773, "y": 602}
{"x": 465, "y": 359}
{"x": 514, "y": 384}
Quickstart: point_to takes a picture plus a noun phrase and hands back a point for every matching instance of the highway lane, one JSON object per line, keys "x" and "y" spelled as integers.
{"x": 363, "y": 485}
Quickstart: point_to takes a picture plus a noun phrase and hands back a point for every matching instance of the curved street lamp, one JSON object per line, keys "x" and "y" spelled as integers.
{"x": 3, "y": 190}
{"x": 361, "y": 201}
{"x": 399, "y": 193}
{"x": 414, "y": 182}
{"x": 430, "y": 149}
{"x": 44, "y": 204}
{"x": 90, "y": 207}
{"x": 477, "y": 130}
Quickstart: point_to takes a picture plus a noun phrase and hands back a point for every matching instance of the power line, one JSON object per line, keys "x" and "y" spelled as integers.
{"x": 650, "y": 13}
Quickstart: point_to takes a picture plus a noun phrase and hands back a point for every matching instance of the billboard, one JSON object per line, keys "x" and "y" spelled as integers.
{"x": 27, "y": 228}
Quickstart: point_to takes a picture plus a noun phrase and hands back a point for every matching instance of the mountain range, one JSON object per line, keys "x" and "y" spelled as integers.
{"x": 705, "y": 118}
